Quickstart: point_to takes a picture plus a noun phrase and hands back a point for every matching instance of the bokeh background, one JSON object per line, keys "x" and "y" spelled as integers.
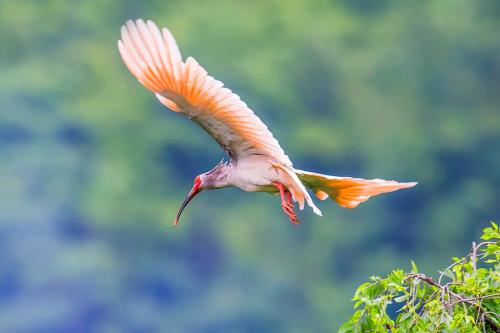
{"x": 93, "y": 168}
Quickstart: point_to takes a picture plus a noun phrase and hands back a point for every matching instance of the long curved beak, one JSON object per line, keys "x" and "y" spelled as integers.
{"x": 194, "y": 191}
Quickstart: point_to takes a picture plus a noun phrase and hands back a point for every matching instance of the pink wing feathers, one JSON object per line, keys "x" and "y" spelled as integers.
{"x": 153, "y": 57}
{"x": 348, "y": 192}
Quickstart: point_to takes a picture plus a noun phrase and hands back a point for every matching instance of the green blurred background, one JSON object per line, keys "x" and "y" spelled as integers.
{"x": 93, "y": 168}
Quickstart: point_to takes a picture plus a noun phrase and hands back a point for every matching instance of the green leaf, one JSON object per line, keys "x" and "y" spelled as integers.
{"x": 414, "y": 267}
{"x": 404, "y": 316}
{"x": 357, "y": 304}
{"x": 401, "y": 298}
{"x": 448, "y": 274}
{"x": 494, "y": 225}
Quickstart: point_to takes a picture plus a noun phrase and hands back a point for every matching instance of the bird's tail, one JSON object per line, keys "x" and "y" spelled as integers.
{"x": 348, "y": 192}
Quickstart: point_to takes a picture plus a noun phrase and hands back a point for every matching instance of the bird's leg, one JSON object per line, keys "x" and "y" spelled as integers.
{"x": 287, "y": 203}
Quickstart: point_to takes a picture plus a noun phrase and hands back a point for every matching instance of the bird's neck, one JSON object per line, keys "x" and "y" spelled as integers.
{"x": 218, "y": 177}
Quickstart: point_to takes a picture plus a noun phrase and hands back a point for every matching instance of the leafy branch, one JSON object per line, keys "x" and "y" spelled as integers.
{"x": 465, "y": 297}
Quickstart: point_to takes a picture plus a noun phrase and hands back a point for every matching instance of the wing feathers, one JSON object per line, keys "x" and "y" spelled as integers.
{"x": 348, "y": 192}
{"x": 168, "y": 103}
{"x": 153, "y": 57}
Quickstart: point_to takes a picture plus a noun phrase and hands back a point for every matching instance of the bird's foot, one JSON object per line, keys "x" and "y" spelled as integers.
{"x": 291, "y": 214}
{"x": 287, "y": 203}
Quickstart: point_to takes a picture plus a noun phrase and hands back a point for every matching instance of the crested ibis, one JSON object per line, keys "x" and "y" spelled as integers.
{"x": 257, "y": 163}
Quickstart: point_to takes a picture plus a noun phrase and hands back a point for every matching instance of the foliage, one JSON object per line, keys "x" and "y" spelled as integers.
{"x": 465, "y": 298}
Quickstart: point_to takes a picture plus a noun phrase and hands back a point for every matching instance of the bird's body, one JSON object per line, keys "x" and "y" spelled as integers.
{"x": 257, "y": 162}
{"x": 254, "y": 174}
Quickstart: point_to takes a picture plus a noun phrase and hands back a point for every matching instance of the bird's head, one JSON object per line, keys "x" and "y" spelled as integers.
{"x": 213, "y": 179}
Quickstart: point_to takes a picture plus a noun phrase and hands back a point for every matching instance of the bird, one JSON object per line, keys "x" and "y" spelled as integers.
{"x": 256, "y": 163}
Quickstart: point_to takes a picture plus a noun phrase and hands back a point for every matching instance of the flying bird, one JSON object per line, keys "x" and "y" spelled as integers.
{"x": 256, "y": 163}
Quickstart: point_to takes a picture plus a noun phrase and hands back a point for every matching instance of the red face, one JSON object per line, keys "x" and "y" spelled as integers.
{"x": 194, "y": 191}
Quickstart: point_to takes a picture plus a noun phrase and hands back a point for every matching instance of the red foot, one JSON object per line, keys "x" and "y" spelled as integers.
{"x": 287, "y": 203}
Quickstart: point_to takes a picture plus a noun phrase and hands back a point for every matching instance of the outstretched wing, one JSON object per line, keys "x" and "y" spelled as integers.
{"x": 155, "y": 60}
